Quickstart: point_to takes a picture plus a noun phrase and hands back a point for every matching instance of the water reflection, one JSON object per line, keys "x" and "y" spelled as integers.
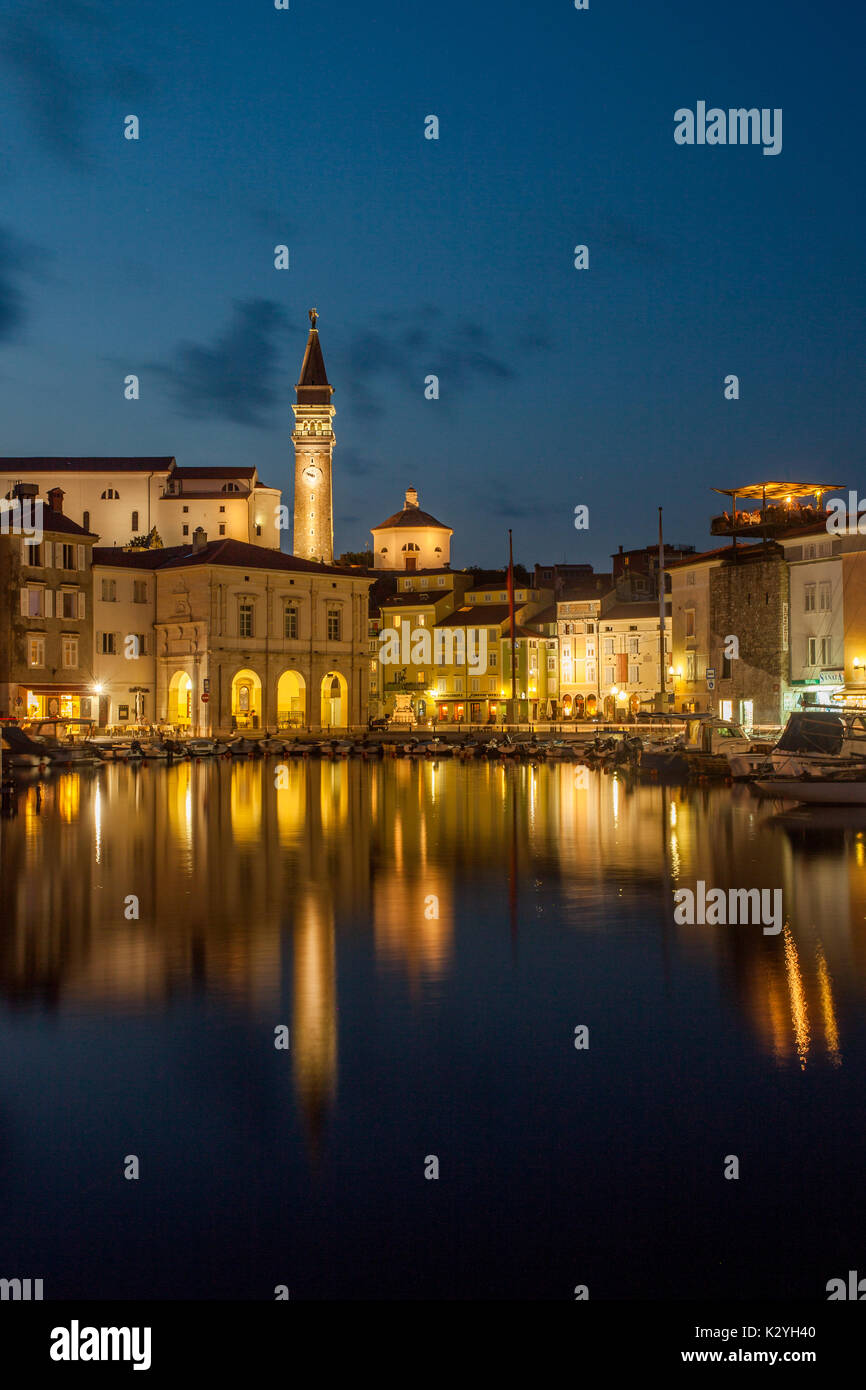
{"x": 247, "y": 880}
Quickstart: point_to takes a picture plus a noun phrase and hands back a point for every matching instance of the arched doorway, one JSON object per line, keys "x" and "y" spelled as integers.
{"x": 579, "y": 704}
{"x": 246, "y": 700}
{"x": 335, "y": 701}
{"x": 567, "y": 703}
{"x": 291, "y": 700}
{"x": 610, "y": 708}
{"x": 633, "y": 705}
{"x": 591, "y": 706}
{"x": 180, "y": 699}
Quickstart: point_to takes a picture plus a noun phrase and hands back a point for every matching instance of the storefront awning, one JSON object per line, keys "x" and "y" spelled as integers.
{"x": 58, "y": 689}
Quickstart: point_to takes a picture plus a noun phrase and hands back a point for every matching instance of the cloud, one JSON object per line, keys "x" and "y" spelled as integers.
{"x": 16, "y": 257}
{"x": 399, "y": 348}
{"x": 58, "y": 59}
{"x": 505, "y": 505}
{"x": 236, "y": 377}
{"x": 356, "y": 464}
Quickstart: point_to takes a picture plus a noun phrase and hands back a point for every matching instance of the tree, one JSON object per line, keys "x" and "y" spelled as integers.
{"x": 152, "y": 541}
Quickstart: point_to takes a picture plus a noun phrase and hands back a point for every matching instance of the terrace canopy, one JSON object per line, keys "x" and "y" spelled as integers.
{"x": 783, "y": 506}
{"x": 779, "y": 492}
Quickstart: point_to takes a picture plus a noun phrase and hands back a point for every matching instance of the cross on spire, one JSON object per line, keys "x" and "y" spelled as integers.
{"x": 314, "y": 317}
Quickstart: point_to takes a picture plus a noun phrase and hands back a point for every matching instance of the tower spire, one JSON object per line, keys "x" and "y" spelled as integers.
{"x": 313, "y": 438}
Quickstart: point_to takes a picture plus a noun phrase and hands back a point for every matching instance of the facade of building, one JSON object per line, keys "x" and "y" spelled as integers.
{"x": 124, "y": 612}
{"x": 46, "y": 620}
{"x": 468, "y": 679}
{"x": 273, "y": 641}
{"x": 628, "y": 645}
{"x": 577, "y": 614}
{"x": 411, "y": 540}
{"x": 118, "y": 499}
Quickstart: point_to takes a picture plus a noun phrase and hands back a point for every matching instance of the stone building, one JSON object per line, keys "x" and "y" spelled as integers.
{"x": 272, "y": 640}
{"x": 749, "y": 601}
{"x": 46, "y": 618}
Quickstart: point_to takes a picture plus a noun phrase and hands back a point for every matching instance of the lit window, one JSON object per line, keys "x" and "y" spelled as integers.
{"x": 36, "y": 651}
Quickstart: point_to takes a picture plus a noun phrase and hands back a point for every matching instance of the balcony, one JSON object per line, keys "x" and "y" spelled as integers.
{"x": 782, "y": 507}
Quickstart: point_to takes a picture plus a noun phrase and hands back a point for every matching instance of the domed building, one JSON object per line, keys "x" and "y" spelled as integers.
{"x": 411, "y": 539}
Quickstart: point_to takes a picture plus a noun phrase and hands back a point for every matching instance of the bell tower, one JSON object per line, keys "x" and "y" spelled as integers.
{"x": 313, "y": 438}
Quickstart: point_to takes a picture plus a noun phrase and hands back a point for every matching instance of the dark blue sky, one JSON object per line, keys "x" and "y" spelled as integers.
{"x": 454, "y": 257}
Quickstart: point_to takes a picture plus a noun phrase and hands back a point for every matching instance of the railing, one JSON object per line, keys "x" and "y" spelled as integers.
{"x": 772, "y": 518}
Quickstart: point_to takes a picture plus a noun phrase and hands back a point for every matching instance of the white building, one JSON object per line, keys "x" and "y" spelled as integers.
{"x": 119, "y": 498}
{"x": 124, "y": 612}
{"x": 411, "y": 539}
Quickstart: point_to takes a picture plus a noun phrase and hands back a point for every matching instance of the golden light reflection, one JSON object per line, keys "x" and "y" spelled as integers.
{"x": 68, "y": 796}
{"x": 97, "y": 823}
{"x": 828, "y": 1011}
{"x": 797, "y": 994}
{"x": 313, "y": 1038}
{"x": 246, "y": 801}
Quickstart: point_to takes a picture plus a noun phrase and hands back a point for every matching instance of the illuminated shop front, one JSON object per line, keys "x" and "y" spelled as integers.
{"x": 56, "y": 702}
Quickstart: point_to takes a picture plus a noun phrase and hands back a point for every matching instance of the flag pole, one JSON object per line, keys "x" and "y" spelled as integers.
{"x": 513, "y": 636}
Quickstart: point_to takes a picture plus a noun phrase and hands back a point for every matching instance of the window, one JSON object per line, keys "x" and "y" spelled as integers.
{"x": 258, "y": 529}
{"x": 245, "y": 618}
{"x": 633, "y": 646}
{"x": 421, "y": 619}
{"x": 609, "y": 675}
{"x": 68, "y": 605}
{"x": 222, "y": 507}
{"x": 185, "y": 529}
{"x": 607, "y": 646}
{"x": 69, "y": 557}
{"x": 109, "y": 495}
{"x": 690, "y": 622}
{"x": 491, "y": 685}
{"x": 690, "y": 666}
{"x": 36, "y": 651}
{"x": 222, "y": 528}
{"x": 634, "y": 675}
{"x": 139, "y": 591}
{"x": 690, "y": 577}
{"x": 69, "y": 653}
{"x": 492, "y": 659}
{"x": 551, "y": 662}
{"x": 820, "y": 651}
{"x": 107, "y": 643}
{"x": 726, "y": 709}
{"x": 290, "y": 621}
{"x": 440, "y": 686}
{"x": 826, "y": 651}
{"x": 590, "y": 672}
{"x": 135, "y": 523}
{"x": 85, "y": 521}
{"x": 474, "y": 685}
{"x": 186, "y": 509}
{"x": 811, "y": 651}
{"x": 334, "y": 625}
{"x": 32, "y": 602}
{"x": 140, "y": 644}
{"x": 109, "y": 591}
{"x": 33, "y": 555}
{"x": 458, "y": 685}
{"x": 230, "y": 487}
{"x": 590, "y": 649}
{"x": 441, "y": 581}
{"x": 809, "y": 598}
{"x": 824, "y": 596}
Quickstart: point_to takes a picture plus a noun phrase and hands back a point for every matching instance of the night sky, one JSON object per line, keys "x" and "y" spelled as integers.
{"x": 454, "y": 257}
